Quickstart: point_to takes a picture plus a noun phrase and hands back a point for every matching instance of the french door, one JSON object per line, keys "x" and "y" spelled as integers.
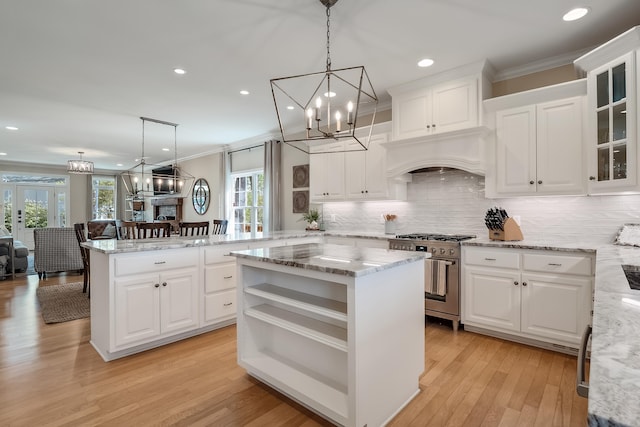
{"x": 35, "y": 208}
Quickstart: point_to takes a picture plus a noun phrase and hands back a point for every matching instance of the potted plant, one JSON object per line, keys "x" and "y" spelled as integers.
{"x": 312, "y": 218}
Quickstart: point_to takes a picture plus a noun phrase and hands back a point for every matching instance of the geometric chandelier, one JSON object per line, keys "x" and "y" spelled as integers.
{"x": 315, "y": 110}
{"x": 80, "y": 166}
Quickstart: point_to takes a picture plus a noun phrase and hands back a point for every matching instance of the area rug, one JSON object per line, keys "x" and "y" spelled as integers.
{"x": 61, "y": 303}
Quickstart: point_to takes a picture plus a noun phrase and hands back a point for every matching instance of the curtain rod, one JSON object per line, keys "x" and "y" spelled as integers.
{"x": 246, "y": 148}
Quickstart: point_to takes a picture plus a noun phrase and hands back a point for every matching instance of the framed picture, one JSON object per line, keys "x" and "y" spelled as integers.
{"x": 301, "y": 176}
{"x": 301, "y": 201}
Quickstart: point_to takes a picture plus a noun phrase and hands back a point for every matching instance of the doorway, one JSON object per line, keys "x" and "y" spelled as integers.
{"x": 35, "y": 208}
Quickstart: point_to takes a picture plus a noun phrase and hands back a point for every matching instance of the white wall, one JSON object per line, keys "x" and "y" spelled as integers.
{"x": 291, "y": 157}
{"x": 208, "y": 167}
{"x": 453, "y": 202}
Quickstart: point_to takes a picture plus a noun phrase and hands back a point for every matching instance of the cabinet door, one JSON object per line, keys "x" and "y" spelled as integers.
{"x": 612, "y": 139}
{"x": 412, "y": 115}
{"x": 555, "y": 306}
{"x": 365, "y": 171}
{"x": 327, "y": 173}
{"x": 492, "y": 298}
{"x": 137, "y": 309}
{"x": 355, "y": 174}
{"x": 179, "y": 301}
{"x": 455, "y": 106}
{"x": 516, "y": 151}
{"x": 559, "y": 161}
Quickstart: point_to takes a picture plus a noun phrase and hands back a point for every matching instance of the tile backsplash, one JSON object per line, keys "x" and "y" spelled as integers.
{"x": 452, "y": 201}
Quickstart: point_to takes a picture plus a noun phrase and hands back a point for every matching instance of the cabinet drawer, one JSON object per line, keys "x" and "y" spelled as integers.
{"x": 489, "y": 258}
{"x": 566, "y": 264}
{"x": 219, "y": 277}
{"x": 220, "y": 253}
{"x": 220, "y": 306}
{"x": 147, "y": 262}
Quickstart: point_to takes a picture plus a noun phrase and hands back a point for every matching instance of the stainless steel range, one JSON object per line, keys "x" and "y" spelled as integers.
{"x": 442, "y": 271}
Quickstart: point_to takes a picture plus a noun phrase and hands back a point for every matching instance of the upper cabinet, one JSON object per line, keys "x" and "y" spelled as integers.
{"x": 612, "y": 114}
{"x": 438, "y": 104}
{"x": 539, "y": 149}
{"x": 538, "y": 143}
{"x": 443, "y": 108}
{"x": 353, "y": 175}
{"x": 365, "y": 176}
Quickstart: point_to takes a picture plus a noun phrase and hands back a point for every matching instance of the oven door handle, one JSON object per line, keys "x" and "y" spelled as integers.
{"x": 582, "y": 387}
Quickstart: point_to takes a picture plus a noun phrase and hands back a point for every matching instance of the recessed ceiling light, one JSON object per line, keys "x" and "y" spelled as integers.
{"x": 179, "y": 71}
{"x": 426, "y": 62}
{"x": 165, "y": 149}
{"x": 289, "y": 107}
{"x": 244, "y": 92}
{"x": 11, "y": 128}
{"x": 3, "y": 154}
{"x": 329, "y": 94}
{"x": 119, "y": 164}
{"x": 575, "y": 14}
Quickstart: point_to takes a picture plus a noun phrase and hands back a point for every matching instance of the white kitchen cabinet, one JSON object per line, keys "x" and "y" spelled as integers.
{"x": 437, "y": 109}
{"x": 353, "y": 175}
{"x": 541, "y": 296}
{"x": 612, "y": 113}
{"x": 539, "y": 149}
{"x": 219, "y": 291}
{"x": 326, "y": 173}
{"x": 365, "y": 171}
{"x": 148, "y": 306}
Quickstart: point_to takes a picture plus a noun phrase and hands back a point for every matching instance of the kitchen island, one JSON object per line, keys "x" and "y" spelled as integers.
{"x": 151, "y": 292}
{"x": 339, "y": 329}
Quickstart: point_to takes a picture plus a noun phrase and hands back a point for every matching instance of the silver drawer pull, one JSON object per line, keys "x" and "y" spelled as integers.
{"x": 555, "y": 264}
{"x": 160, "y": 262}
{"x": 228, "y": 304}
{"x": 489, "y": 259}
{"x": 228, "y": 277}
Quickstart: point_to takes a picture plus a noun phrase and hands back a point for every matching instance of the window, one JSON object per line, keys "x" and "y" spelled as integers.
{"x": 103, "y": 197}
{"x": 248, "y": 202}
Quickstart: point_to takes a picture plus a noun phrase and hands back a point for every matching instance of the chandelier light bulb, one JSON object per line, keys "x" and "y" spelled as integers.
{"x": 350, "y": 113}
{"x": 338, "y": 117}
{"x": 309, "y": 118}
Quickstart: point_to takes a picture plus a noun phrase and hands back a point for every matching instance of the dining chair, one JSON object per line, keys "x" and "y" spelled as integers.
{"x": 219, "y": 226}
{"x": 150, "y": 230}
{"x": 129, "y": 230}
{"x": 197, "y": 228}
{"x": 84, "y": 252}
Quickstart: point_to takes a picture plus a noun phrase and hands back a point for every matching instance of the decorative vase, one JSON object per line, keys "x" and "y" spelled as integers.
{"x": 313, "y": 225}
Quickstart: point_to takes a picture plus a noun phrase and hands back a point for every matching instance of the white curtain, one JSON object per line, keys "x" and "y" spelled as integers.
{"x": 272, "y": 168}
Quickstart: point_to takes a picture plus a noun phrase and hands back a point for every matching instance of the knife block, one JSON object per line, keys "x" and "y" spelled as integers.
{"x": 510, "y": 231}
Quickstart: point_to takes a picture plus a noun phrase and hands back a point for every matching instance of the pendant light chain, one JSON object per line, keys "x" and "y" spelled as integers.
{"x": 328, "y": 37}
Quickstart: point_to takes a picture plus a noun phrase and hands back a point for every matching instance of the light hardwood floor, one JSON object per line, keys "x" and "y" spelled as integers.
{"x": 50, "y": 375}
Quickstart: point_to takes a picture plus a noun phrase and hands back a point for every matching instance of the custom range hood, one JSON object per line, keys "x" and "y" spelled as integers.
{"x": 463, "y": 149}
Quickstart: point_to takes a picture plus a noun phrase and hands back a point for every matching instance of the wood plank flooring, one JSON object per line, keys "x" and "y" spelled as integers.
{"x": 50, "y": 375}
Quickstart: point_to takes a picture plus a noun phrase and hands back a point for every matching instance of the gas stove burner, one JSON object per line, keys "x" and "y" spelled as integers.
{"x": 437, "y": 237}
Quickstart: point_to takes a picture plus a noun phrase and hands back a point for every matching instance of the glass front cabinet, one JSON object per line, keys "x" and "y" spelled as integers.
{"x": 612, "y": 115}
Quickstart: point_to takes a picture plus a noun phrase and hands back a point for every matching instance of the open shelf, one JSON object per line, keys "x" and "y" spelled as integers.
{"x": 300, "y": 385}
{"x": 322, "y": 332}
{"x": 312, "y": 303}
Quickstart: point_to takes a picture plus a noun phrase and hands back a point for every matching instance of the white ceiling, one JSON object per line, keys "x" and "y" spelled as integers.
{"x": 77, "y": 75}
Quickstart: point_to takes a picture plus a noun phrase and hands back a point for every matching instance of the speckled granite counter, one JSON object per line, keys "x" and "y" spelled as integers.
{"x": 614, "y": 377}
{"x": 113, "y": 246}
{"x": 614, "y": 380}
{"x": 547, "y": 244}
{"x": 334, "y": 259}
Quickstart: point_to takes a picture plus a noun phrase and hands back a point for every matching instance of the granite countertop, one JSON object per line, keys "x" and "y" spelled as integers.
{"x": 113, "y": 246}
{"x": 558, "y": 244}
{"x": 334, "y": 259}
{"x": 614, "y": 374}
